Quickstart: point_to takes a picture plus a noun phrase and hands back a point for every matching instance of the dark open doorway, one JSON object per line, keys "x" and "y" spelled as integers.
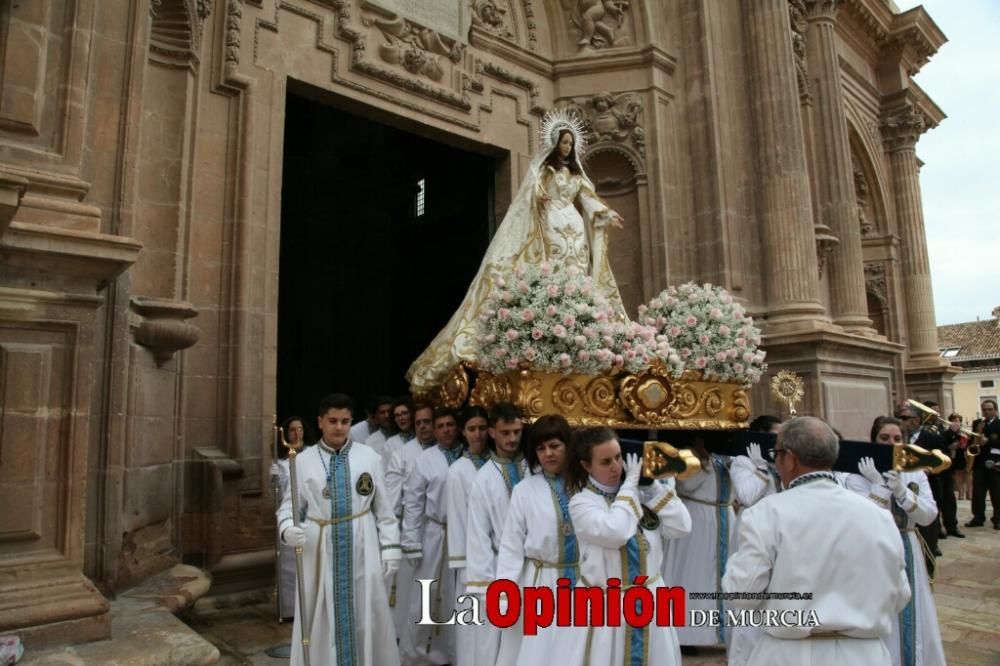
{"x": 382, "y": 231}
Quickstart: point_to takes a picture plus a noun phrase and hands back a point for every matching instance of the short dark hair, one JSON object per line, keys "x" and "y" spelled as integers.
{"x": 285, "y": 425}
{"x": 402, "y": 401}
{"x": 764, "y": 422}
{"x": 504, "y": 411}
{"x": 444, "y": 412}
{"x": 377, "y": 402}
{"x": 336, "y": 401}
{"x": 421, "y": 406}
{"x": 550, "y": 426}
{"x": 584, "y": 441}
{"x": 882, "y": 421}
{"x": 474, "y": 411}
{"x": 989, "y": 400}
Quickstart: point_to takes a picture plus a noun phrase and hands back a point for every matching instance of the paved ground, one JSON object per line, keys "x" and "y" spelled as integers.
{"x": 967, "y": 594}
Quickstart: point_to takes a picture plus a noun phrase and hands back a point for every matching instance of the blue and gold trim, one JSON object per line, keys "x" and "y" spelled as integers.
{"x": 342, "y": 549}
{"x": 569, "y": 554}
{"x": 723, "y": 499}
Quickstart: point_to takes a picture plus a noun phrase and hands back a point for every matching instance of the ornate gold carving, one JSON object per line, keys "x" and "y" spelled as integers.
{"x": 741, "y": 406}
{"x": 661, "y": 460}
{"x": 913, "y": 458}
{"x": 455, "y": 389}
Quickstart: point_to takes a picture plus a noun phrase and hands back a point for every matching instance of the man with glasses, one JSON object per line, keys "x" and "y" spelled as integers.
{"x": 844, "y": 545}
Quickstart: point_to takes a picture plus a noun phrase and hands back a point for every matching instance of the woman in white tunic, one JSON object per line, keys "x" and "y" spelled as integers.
{"x": 621, "y": 532}
{"x": 350, "y": 543}
{"x": 538, "y": 545}
{"x": 916, "y": 637}
{"x": 698, "y": 562}
{"x": 475, "y": 422}
{"x": 543, "y": 223}
{"x": 294, "y": 431}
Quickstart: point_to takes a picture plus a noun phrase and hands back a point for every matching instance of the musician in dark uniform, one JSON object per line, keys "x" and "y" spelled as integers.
{"x": 986, "y": 469}
{"x": 934, "y": 435}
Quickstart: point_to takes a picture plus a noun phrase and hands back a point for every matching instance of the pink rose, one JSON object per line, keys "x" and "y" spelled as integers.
{"x": 569, "y": 320}
{"x": 506, "y": 296}
{"x": 737, "y": 367}
{"x": 559, "y": 331}
{"x": 619, "y": 361}
{"x": 583, "y": 355}
{"x": 546, "y": 269}
{"x": 607, "y": 341}
{"x": 500, "y": 352}
{"x": 703, "y": 339}
{"x": 570, "y": 289}
{"x": 701, "y": 362}
{"x": 536, "y": 334}
{"x": 740, "y": 342}
{"x": 675, "y": 331}
{"x": 685, "y": 353}
{"x": 589, "y": 332}
{"x": 490, "y": 339}
{"x": 747, "y": 357}
{"x": 720, "y": 356}
{"x": 512, "y": 364}
{"x": 530, "y": 354}
{"x": 503, "y": 313}
{"x": 580, "y": 340}
{"x": 724, "y": 330}
{"x": 527, "y": 314}
{"x": 715, "y": 313}
{"x": 522, "y": 287}
{"x": 511, "y": 335}
{"x": 551, "y": 311}
{"x": 691, "y": 321}
{"x": 553, "y": 290}
{"x": 564, "y": 360}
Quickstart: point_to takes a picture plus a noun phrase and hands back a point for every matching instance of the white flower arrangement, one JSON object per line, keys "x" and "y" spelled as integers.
{"x": 555, "y": 320}
{"x": 708, "y": 331}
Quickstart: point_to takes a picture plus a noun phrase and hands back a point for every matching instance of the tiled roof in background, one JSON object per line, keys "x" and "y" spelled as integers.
{"x": 975, "y": 340}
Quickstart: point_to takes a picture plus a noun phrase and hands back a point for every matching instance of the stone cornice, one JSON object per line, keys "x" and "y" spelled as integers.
{"x": 873, "y": 16}
{"x": 913, "y": 38}
{"x": 617, "y": 60}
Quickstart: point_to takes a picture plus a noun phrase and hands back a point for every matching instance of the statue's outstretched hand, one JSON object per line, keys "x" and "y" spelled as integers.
{"x": 617, "y": 220}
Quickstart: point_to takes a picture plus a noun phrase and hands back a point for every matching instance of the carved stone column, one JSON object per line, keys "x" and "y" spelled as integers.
{"x": 900, "y": 130}
{"x": 784, "y": 206}
{"x": 837, "y": 203}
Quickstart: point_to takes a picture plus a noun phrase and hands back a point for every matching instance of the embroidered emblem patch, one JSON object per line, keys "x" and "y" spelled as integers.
{"x": 365, "y": 485}
{"x": 649, "y": 521}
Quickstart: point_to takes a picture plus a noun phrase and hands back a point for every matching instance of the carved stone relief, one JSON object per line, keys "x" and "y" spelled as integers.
{"x": 826, "y": 243}
{"x": 177, "y": 26}
{"x": 599, "y": 23}
{"x": 875, "y": 281}
{"x": 861, "y": 196}
{"x": 531, "y": 24}
{"x": 614, "y": 118}
{"x": 799, "y": 24}
{"x": 901, "y": 128}
{"x": 417, "y": 49}
{"x": 492, "y": 16}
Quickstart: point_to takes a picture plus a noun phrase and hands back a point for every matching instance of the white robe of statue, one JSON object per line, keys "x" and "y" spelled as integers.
{"x": 491, "y": 490}
{"x": 461, "y": 475}
{"x": 698, "y": 562}
{"x": 820, "y": 538}
{"x": 533, "y": 230}
{"x": 347, "y": 537}
{"x": 425, "y": 532}
{"x": 916, "y": 637}
{"x": 616, "y": 541}
{"x": 537, "y": 547}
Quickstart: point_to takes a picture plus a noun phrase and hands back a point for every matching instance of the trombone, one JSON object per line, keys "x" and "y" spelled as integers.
{"x": 928, "y": 415}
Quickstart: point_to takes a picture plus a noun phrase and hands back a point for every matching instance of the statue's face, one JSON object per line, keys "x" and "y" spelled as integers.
{"x": 566, "y": 144}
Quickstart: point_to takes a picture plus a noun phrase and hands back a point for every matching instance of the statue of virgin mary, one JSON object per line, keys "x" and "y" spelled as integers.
{"x": 555, "y": 217}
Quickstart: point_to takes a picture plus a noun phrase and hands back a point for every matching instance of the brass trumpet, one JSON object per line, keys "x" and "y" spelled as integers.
{"x": 928, "y": 416}
{"x": 974, "y": 447}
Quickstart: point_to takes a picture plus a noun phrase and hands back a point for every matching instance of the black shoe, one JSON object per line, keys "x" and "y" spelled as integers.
{"x": 975, "y": 523}
{"x": 942, "y": 535}
{"x": 938, "y": 553}
{"x": 996, "y": 526}
{"x": 955, "y": 533}
{"x": 689, "y": 651}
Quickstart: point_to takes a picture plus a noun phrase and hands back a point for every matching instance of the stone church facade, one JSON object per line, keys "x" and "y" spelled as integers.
{"x": 768, "y": 146}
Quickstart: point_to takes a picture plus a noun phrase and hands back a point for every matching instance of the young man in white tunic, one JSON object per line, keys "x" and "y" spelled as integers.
{"x": 475, "y": 427}
{"x": 401, "y": 588}
{"x": 698, "y": 561}
{"x": 424, "y": 538}
{"x": 820, "y": 538}
{"x": 916, "y": 637}
{"x": 538, "y": 545}
{"x": 487, "y": 514}
{"x": 383, "y": 412}
{"x": 350, "y": 543}
{"x": 622, "y": 529}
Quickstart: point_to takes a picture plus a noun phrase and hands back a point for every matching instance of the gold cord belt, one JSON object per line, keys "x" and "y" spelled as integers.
{"x": 323, "y": 523}
{"x": 716, "y": 504}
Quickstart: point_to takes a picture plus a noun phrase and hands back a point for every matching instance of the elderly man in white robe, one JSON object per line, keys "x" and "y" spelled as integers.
{"x": 818, "y": 537}
{"x": 424, "y": 538}
{"x": 401, "y": 588}
{"x": 350, "y": 543}
{"x": 488, "y": 504}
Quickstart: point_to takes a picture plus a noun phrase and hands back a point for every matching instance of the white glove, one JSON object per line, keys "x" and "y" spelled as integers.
{"x": 866, "y": 466}
{"x": 633, "y": 470}
{"x": 294, "y": 536}
{"x": 389, "y": 568}
{"x": 753, "y": 453}
{"x": 896, "y": 485}
{"x": 275, "y": 469}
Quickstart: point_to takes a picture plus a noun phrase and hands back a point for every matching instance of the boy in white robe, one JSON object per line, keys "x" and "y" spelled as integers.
{"x": 424, "y": 536}
{"x": 819, "y": 538}
{"x": 487, "y": 514}
{"x": 350, "y": 543}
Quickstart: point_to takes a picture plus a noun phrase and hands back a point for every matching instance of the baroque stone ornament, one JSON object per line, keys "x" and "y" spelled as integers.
{"x": 613, "y": 117}
{"x": 600, "y": 23}
{"x": 875, "y": 281}
{"x": 417, "y": 49}
{"x": 491, "y": 16}
{"x": 826, "y": 243}
{"x": 162, "y": 327}
{"x": 861, "y": 191}
{"x": 901, "y": 128}
{"x": 651, "y": 399}
{"x": 799, "y": 25}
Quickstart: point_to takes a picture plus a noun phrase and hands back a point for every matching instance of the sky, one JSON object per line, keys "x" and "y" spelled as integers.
{"x": 960, "y": 179}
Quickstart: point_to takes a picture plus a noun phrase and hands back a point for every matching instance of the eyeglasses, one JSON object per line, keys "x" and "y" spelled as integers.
{"x": 773, "y": 453}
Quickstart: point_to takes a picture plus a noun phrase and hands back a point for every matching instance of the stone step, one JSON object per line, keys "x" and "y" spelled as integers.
{"x": 144, "y": 629}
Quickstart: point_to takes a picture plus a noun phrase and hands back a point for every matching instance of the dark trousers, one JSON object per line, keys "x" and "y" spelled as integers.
{"x": 983, "y": 481}
{"x": 948, "y": 504}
